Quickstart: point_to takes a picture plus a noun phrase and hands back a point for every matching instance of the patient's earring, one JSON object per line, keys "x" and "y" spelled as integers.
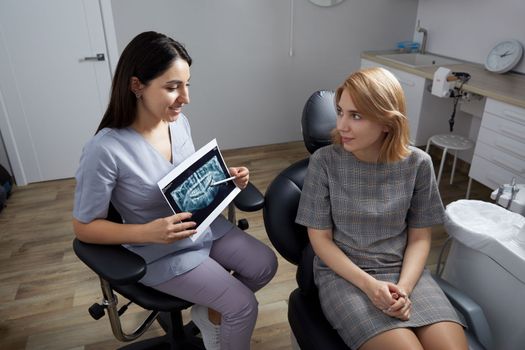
{"x": 138, "y": 95}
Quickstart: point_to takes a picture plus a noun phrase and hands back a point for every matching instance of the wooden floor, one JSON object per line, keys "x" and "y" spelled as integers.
{"x": 45, "y": 290}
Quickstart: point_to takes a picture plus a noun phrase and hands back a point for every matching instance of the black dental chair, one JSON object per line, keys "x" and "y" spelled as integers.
{"x": 310, "y": 328}
{"x": 119, "y": 271}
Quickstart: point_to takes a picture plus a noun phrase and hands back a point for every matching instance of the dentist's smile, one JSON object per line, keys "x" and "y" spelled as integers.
{"x": 176, "y": 109}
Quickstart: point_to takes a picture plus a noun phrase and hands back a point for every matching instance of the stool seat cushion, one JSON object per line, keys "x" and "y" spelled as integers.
{"x": 451, "y": 141}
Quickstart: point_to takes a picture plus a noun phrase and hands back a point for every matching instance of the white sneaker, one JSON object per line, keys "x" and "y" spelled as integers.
{"x": 210, "y": 332}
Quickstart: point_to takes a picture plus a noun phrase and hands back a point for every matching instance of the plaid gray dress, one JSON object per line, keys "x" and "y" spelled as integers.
{"x": 369, "y": 208}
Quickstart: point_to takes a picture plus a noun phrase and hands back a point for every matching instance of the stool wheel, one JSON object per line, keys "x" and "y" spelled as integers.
{"x": 243, "y": 224}
{"x": 450, "y": 142}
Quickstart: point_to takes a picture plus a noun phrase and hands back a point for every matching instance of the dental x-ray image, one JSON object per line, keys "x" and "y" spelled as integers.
{"x": 195, "y": 186}
{"x": 199, "y": 189}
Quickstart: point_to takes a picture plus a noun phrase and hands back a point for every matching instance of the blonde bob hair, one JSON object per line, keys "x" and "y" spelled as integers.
{"x": 378, "y": 96}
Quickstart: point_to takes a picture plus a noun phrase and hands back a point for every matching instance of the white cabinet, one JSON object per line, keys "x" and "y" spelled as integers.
{"x": 428, "y": 115}
{"x": 500, "y": 150}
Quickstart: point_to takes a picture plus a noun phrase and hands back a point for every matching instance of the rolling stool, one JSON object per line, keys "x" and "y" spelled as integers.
{"x": 450, "y": 142}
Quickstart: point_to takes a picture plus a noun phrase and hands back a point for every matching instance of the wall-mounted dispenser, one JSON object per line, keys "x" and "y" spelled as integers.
{"x": 444, "y": 85}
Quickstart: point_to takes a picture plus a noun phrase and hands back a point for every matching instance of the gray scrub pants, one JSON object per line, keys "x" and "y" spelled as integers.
{"x": 212, "y": 285}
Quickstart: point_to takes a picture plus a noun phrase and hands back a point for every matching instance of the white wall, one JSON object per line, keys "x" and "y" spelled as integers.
{"x": 4, "y": 161}
{"x": 245, "y": 89}
{"x": 468, "y": 29}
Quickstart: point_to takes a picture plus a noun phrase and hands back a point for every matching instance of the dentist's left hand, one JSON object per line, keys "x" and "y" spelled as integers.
{"x": 242, "y": 176}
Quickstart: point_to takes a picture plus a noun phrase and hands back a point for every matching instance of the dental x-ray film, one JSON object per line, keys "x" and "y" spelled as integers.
{"x": 195, "y": 186}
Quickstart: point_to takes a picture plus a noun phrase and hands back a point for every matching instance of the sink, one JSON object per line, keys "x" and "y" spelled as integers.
{"x": 414, "y": 59}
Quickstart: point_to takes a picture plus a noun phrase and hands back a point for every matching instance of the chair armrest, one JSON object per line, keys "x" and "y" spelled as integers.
{"x": 305, "y": 273}
{"x": 471, "y": 311}
{"x": 114, "y": 263}
{"x": 250, "y": 199}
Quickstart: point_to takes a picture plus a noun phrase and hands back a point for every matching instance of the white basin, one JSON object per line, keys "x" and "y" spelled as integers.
{"x": 419, "y": 60}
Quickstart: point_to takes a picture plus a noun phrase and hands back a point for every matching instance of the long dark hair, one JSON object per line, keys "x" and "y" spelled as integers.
{"x": 146, "y": 57}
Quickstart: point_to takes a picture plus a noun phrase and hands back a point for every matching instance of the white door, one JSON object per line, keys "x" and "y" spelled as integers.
{"x": 51, "y": 98}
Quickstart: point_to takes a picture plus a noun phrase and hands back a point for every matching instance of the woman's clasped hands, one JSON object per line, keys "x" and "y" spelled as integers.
{"x": 390, "y": 299}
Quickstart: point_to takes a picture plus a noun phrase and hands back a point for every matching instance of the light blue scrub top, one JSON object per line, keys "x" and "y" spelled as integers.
{"x": 120, "y": 166}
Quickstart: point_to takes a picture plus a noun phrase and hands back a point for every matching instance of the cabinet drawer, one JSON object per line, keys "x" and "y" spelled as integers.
{"x": 502, "y": 142}
{"x": 491, "y": 175}
{"x": 505, "y": 127}
{"x": 501, "y": 159}
{"x": 506, "y": 111}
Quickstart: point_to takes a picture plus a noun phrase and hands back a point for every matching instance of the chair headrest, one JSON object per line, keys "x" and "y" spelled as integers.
{"x": 318, "y": 120}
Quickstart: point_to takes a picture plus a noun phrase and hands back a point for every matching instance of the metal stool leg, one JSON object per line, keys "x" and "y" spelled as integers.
{"x": 441, "y": 165}
{"x": 453, "y": 166}
{"x": 468, "y": 187}
{"x": 428, "y": 144}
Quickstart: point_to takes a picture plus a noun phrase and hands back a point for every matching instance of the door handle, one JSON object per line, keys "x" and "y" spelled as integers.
{"x": 98, "y": 57}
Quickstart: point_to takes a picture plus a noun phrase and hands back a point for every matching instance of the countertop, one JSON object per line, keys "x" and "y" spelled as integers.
{"x": 508, "y": 87}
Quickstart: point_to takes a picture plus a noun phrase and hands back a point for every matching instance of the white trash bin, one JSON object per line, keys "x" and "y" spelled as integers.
{"x": 487, "y": 262}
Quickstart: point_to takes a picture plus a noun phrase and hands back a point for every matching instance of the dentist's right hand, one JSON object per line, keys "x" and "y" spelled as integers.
{"x": 170, "y": 229}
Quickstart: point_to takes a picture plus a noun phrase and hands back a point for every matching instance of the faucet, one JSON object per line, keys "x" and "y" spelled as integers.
{"x": 420, "y": 29}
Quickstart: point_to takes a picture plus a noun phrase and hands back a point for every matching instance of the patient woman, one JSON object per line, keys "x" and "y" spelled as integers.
{"x": 143, "y": 136}
{"x": 369, "y": 201}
